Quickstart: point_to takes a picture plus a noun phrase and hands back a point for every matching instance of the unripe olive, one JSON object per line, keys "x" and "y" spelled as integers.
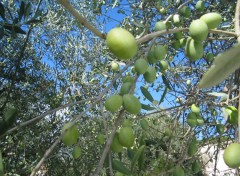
{"x": 141, "y": 66}
{"x": 115, "y": 66}
{"x": 195, "y": 109}
{"x": 151, "y": 56}
{"x": 76, "y": 152}
{"x": 128, "y": 79}
{"x": 194, "y": 49}
{"x": 150, "y": 74}
{"x": 176, "y": 20}
{"x": 126, "y": 137}
{"x": 125, "y": 88}
{"x": 160, "y": 52}
{"x": 121, "y": 43}
{"x": 200, "y": 6}
{"x": 160, "y": 26}
{"x": 116, "y": 146}
{"x": 212, "y": 19}
{"x": 185, "y": 11}
{"x": 131, "y": 104}
{"x": 71, "y": 134}
{"x": 198, "y": 30}
{"x": 231, "y": 155}
{"x": 113, "y": 103}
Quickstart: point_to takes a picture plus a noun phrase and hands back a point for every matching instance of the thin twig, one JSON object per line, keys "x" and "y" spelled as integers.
{"x": 81, "y": 19}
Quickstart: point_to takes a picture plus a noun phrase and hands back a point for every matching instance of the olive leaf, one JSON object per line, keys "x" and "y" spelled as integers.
{"x": 224, "y": 64}
{"x": 21, "y": 11}
{"x": 120, "y": 166}
{"x": 163, "y": 95}
{"x": 1, "y": 164}
{"x": 223, "y": 96}
{"x": 146, "y": 94}
{"x": 2, "y": 11}
{"x": 147, "y": 107}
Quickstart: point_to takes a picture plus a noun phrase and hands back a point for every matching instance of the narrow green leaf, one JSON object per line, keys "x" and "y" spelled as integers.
{"x": 33, "y": 21}
{"x": 13, "y": 28}
{"x": 146, "y": 94}
{"x": 147, "y": 107}
{"x": 1, "y": 33}
{"x": 38, "y": 13}
{"x": 2, "y": 11}
{"x": 21, "y": 11}
{"x": 166, "y": 82}
{"x": 130, "y": 153}
{"x": 141, "y": 161}
{"x": 137, "y": 156}
{"x": 27, "y": 11}
{"x": 120, "y": 166}
{"x": 1, "y": 163}
{"x": 224, "y": 64}
{"x": 163, "y": 95}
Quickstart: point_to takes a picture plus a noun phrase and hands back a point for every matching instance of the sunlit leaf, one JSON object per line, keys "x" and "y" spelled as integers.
{"x": 223, "y": 96}
{"x": 222, "y": 67}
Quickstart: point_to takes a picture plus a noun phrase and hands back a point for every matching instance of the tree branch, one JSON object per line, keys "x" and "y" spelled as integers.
{"x": 237, "y": 27}
{"x": 148, "y": 37}
{"x": 81, "y": 19}
{"x": 237, "y": 31}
